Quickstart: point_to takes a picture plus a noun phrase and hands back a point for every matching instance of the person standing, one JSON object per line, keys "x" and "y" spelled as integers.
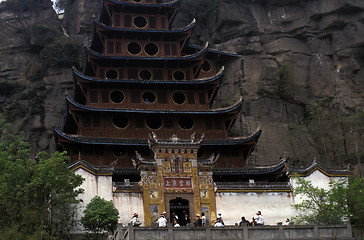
{"x": 244, "y": 222}
{"x": 204, "y": 219}
{"x": 186, "y": 220}
{"x": 198, "y": 221}
{"x": 259, "y": 219}
{"x": 135, "y": 221}
{"x": 162, "y": 221}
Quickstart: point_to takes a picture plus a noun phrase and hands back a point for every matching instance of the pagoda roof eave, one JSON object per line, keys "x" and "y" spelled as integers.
{"x": 99, "y": 140}
{"x": 216, "y": 78}
{"x": 95, "y": 55}
{"x": 215, "y": 51}
{"x": 76, "y": 106}
{"x": 174, "y": 3}
{"x": 267, "y": 169}
{"x": 252, "y": 139}
{"x": 185, "y": 30}
{"x": 141, "y": 142}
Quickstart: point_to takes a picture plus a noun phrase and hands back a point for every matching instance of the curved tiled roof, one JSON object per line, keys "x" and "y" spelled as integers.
{"x": 211, "y": 79}
{"x": 306, "y": 171}
{"x": 173, "y": 3}
{"x": 148, "y": 31}
{"x": 76, "y": 105}
{"x": 252, "y": 170}
{"x": 144, "y": 142}
{"x": 92, "y": 54}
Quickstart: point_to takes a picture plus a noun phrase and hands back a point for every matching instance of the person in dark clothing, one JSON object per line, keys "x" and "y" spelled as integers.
{"x": 198, "y": 222}
{"x": 186, "y": 220}
{"x": 244, "y": 222}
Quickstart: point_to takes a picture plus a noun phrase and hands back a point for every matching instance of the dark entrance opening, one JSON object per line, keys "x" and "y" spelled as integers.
{"x": 179, "y": 207}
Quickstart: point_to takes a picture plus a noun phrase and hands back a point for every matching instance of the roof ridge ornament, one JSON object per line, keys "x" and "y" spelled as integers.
{"x": 174, "y": 138}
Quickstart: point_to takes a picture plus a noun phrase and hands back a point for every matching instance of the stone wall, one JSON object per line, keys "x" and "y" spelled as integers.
{"x": 231, "y": 232}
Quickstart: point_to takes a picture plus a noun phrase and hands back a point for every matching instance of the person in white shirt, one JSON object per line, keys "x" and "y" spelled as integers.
{"x": 175, "y": 223}
{"x": 135, "y": 221}
{"x": 204, "y": 220}
{"x": 259, "y": 219}
{"x": 162, "y": 221}
{"x": 287, "y": 222}
{"x": 218, "y": 223}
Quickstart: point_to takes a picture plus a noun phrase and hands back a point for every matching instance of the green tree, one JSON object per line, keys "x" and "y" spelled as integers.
{"x": 319, "y": 205}
{"x": 355, "y": 197}
{"x": 38, "y": 197}
{"x": 100, "y": 216}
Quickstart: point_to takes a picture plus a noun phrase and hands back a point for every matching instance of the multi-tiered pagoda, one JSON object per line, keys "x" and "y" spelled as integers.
{"x": 140, "y": 126}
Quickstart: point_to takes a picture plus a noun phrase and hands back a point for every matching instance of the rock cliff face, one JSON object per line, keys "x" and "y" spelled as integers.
{"x": 320, "y": 43}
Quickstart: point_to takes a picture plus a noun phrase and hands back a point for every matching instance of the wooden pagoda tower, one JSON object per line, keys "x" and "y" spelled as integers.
{"x": 142, "y": 110}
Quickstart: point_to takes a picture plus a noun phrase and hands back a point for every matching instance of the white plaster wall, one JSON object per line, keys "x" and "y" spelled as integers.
{"x": 318, "y": 179}
{"x": 275, "y": 206}
{"x": 128, "y": 204}
{"x": 93, "y": 186}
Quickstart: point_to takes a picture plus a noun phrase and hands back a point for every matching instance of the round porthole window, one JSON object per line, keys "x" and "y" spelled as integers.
{"x": 145, "y": 74}
{"x": 112, "y": 74}
{"x": 140, "y": 22}
{"x": 206, "y": 66}
{"x": 149, "y": 97}
{"x": 151, "y": 49}
{"x": 120, "y": 121}
{"x": 179, "y": 75}
{"x": 116, "y": 96}
{"x": 154, "y": 122}
{"x": 185, "y": 122}
{"x": 179, "y": 98}
{"x": 119, "y": 151}
{"x": 134, "y": 48}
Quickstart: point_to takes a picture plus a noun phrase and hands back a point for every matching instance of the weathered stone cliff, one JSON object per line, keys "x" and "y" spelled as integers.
{"x": 320, "y": 43}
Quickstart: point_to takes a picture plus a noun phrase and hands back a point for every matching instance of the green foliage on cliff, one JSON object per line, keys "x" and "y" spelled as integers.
{"x": 283, "y": 85}
{"x": 335, "y": 138}
{"x": 37, "y": 196}
{"x": 100, "y": 216}
{"x": 64, "y": 52}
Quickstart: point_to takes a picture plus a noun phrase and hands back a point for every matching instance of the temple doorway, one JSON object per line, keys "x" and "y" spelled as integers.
{"x": 179, "y": 207}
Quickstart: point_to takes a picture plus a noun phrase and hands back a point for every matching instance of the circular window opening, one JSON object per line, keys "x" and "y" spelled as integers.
{"x": 116, "y": 96}
{"x": 154, "y": 122}
{"x": 140, "y": 22}
{"x": 111, "y": 74}
{"x": 151, "y": 49}
{"x": 134, "y": 48}
{"x": 145, "y": 74}
{"x": 206, "y": 66}
{"x": 185, "y": 122}
{"x": 179, "y": 98}
{"x": 119, "y": 151}
{"x": 179, "y": 75}
{"x": 148, "y": 97}
{"x": 120, "y": 121}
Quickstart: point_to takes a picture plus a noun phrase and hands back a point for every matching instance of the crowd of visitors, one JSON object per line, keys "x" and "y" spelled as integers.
{"x": 202, "y": 220}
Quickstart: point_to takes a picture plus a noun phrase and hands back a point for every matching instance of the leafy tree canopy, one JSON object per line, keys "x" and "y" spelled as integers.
{"x": 333, "y": 206}
{"x": 38, "y": 197}
{"x": 100, "y": 215}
